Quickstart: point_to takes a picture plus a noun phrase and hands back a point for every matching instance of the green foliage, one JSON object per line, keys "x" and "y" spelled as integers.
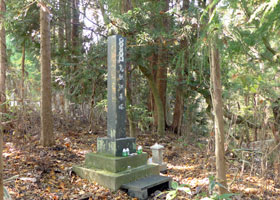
{"x": 215, "y": 196}
{"x": 175, "y": 189}
{"x": 7, "y": 195}
{"x": 141, "y": 116}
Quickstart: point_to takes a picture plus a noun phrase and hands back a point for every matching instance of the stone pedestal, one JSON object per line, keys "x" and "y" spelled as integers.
{"x": 112, "y": 172}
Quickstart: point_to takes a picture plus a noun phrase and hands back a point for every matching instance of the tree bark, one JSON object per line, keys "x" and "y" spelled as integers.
{"x": 179, "y": 105}
{"x": 68, "y": 26}
{"x": 162, "y": 64}
{"x": 179, "y": 101}
{"x": 22, "y": 75}
{"x": 132, "y": 128}
{"x": 215, "y": 73}
{"x": 3, "y": 59}
{"x": 61, "y": 26}
{"x": 92, "y": 104}
{"x": 276, "y": 123}
{"x": 75, "y": 27}
{"x": 218, "y": 116}
{"x": 47, "y": 136}
{"x": 126, "y": 6}
{"x": 157, "y": 99}
{"x": 3, "y": 68}
{"x": 161, "y": 79}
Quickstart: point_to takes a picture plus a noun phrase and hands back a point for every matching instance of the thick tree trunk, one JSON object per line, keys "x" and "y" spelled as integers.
{"x": 218, "y": 115}
{"x": 3, "y": 68}
{"x": 161, "y": 78}
{"x": 157, "y": 100}
{"x": 47, "y": 136}
{"x": 159, "y": 106}
{"x": 179, "y": 105}
{"x": 153, "y": 69}
{"x": 162, "y": 64}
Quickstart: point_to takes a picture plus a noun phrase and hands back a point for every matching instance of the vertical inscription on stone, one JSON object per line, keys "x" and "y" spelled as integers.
{"x": 116, "y": 114}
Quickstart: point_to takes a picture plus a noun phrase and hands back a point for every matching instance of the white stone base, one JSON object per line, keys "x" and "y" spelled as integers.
{"x": 162, "y": 167}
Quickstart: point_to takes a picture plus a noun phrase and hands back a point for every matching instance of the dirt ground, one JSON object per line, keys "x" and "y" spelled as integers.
{"x": 46, "y": 173}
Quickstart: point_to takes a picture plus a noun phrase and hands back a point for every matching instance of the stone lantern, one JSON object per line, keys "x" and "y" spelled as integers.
{"x": 157, "y": 153}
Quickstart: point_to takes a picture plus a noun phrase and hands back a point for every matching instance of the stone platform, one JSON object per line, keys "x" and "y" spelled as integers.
{"x": 113, "y": 172}
{"x": 114, "y": 164}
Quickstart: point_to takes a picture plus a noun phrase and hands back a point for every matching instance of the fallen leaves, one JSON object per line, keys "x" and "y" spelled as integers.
{"x": 45, "y": 173}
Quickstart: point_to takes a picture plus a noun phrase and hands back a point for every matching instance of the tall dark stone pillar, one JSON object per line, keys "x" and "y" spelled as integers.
{"x": 116, "y": 114}
{"x": 116, "y": 139}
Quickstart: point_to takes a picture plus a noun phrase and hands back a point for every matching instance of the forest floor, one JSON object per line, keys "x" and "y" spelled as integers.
{"x": 45, "y": 173}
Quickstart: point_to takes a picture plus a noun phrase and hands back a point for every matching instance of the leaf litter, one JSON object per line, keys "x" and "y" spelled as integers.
{"x": 46, "y": 172}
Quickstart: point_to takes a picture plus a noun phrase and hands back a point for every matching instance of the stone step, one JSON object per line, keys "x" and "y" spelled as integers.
{"x": 115, "y": 164}
{"x": 112, "y": 180}
{"x": 142, "y": 188}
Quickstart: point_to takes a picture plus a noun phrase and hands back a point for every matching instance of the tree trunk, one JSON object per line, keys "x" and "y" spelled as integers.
{"x": 162, "y": 64}
{"x": 218, "y": 115}
{"x": 126, "y": 6}
{"x": 47, "y": 136}
{"x": 153, "y": 69}
{"x": 158, "y": 102}
{"x": 92, "y": 104}
{"x": 179, "y": 106}
{"x": 159, "y": 106}
{"x": 61, "y": 28}
{"x": 68, "y": 24}
{"x": 179, "y": 101}
{"x": 132, "y": 128}
{"x": 75, "y": 27}
{"x": 22, "y": 75}
{"x": 215, "y": 73}
{"x": 276, "y": 123}
{"x": 3, "y": 59}
{"x": 161, "y": 79}
{"x": 3, "y": 68}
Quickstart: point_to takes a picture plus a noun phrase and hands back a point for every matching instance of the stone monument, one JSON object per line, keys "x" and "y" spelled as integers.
{"x": 107, "y": 167}
{"x": 116, "y": 139}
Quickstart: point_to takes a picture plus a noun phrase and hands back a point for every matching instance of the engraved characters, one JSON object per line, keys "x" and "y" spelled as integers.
{"x": 121, "y": 75}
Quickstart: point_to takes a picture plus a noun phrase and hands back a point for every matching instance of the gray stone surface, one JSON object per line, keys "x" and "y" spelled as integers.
{"x": 115, "y": 164}
{"x": 139, "y": 188}
{"x": 113, "y": 146}
{"x": 162, "y": 166}
{"x": 157, "y": 152}
{"x": 116, "y": 114}
{"x": 112, "y": 180}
